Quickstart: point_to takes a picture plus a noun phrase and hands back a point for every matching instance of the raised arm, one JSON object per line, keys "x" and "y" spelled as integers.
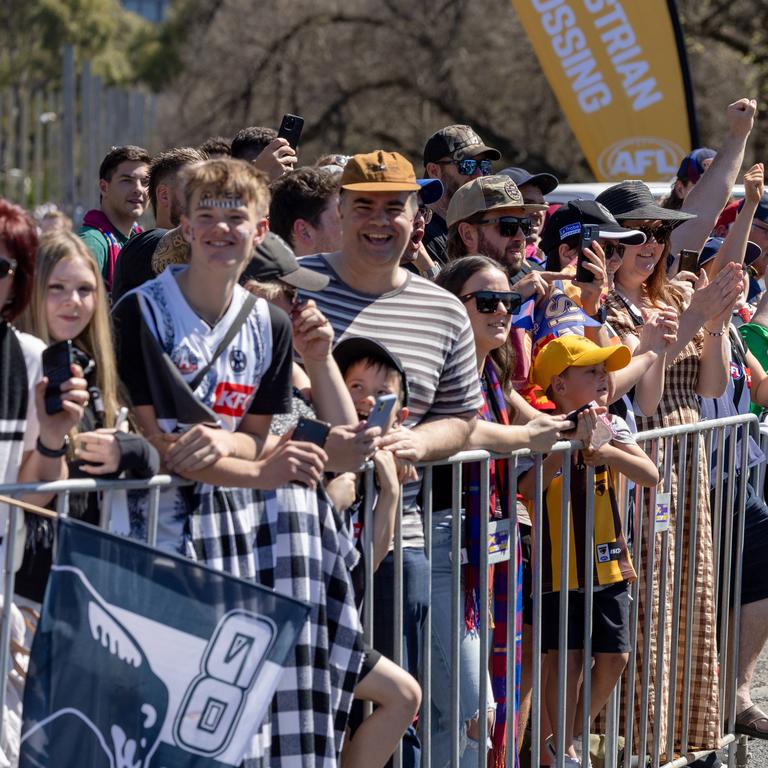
{"x": 708, "y": 198}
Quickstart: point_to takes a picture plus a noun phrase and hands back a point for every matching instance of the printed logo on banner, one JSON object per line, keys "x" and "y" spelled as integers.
{"x": 639, "y": 157}
{"x": 230, "y": 399}
{"x": 122, "y": 689}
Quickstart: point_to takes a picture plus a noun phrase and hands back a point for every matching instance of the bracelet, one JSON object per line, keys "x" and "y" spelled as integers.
{"x": 713, "y": 333}
{"x": 50, "y": 452}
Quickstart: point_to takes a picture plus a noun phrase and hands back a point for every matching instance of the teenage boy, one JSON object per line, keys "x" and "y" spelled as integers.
{"x": 220, "y": 362}
{"x": 573, "y": 371}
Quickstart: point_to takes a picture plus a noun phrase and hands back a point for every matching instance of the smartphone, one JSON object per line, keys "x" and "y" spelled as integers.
{"x": 290, "y": 128}
{"x": 689, "y": 261}
{"x": 311, "y": 431}
{"x": 381, "y": 411}
{"x": 57, "y": 368}
{"x": 589, "y": 232}
{"x": 573, "y": 416}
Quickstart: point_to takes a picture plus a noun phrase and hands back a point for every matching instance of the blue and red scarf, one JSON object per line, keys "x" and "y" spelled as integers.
{"x": 97, "y": 219}
{"x": 494, "y": 409}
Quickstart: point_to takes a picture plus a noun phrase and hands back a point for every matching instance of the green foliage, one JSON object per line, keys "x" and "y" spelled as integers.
{"x": 33, "y": 32}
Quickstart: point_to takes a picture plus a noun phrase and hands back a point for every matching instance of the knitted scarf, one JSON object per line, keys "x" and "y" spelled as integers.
{"x": 97, "y": 219}
{"x": 494, "y": 409}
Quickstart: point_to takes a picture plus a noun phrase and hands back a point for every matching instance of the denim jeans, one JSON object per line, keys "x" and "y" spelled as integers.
{"x": 415, "y": 603}
{"x": 469, "y": 658}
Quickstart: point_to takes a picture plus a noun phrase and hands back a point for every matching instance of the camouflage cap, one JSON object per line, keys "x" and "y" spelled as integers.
{"x": 487, "y": 193}
{"x": 457, "y": 142}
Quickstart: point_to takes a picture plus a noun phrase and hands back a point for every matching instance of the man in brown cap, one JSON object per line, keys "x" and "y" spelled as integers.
{"x": 455, "y": 155}
{"x": 370, "y": 295}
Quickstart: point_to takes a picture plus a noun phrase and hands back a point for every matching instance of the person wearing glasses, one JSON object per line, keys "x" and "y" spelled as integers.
{"x": 455, "y": 155}
{"x": 483, "y": 287}
{"x": 697, "y": 366}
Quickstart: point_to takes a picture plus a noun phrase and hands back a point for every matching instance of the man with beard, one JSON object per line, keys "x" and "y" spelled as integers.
{"x": 489, "y": 216}
{"x": 122, "y": 200}
{"x": 455, "y": 155}
{"x": 166, "y": 190}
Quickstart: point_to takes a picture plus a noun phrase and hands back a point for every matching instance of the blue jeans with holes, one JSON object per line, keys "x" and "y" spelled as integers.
{"x": 415, "y": 603}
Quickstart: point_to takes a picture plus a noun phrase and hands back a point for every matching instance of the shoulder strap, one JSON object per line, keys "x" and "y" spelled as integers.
{"x": 232, "y": 331}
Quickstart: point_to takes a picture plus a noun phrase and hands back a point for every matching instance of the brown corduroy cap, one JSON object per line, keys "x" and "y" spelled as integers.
{"x": 379, "y": 171}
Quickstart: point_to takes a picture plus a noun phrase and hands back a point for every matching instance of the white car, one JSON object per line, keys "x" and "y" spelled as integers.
{"x": 591, "y": 189}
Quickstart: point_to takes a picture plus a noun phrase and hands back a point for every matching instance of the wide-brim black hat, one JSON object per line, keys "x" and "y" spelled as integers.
{"x": 633, "y": 200}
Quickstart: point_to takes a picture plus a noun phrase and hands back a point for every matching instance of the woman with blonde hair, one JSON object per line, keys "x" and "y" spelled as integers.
{"x": 69, "y": 303}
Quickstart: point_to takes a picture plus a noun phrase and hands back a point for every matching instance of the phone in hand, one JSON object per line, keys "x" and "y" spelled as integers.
{"x": 381, "y": 411}
{"x": 573, "y": 416}
{"x": 689, "y": 261}
{"x": 57, "y": 368}
{"x": 311, "y": 431}
{"x": 589, "y": 232}
{"x": 290, "y": 129}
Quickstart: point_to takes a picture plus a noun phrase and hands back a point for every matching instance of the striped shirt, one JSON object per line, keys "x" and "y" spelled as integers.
{"x": 428, "y": 329}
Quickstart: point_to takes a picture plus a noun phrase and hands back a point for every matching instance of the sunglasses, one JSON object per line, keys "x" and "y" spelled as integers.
{"x": 7, "y": 267}
{"x": 470, "y": 165}
{"x": 660, "y": 233}
{"x": 510, "y": 225}
{"x": 488, "y": 301}
{"x": 426, "y": 213}
{"x": 614, "y": 249}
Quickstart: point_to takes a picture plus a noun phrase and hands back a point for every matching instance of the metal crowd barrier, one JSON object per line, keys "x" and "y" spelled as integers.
{"x": 720, "y": 441}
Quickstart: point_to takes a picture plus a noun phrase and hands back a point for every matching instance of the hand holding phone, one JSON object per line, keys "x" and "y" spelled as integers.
{"x": 688, "y": 261}
{"x": 57, "y": 368}
{"x": 589, "y": 232}
{"x": 311, "y": 431}
{"x": 290, "y": 129}
{"x": 382, "y": 408}
{"x": 573, "y": 416}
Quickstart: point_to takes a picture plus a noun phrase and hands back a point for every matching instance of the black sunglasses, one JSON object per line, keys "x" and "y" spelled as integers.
{"x": 660, "y": 233}
{"x": 614, "y": 249}
{"x": 470, "y": 165}
{"x": 7, "y": 267}
{"x": 509, "y": 225}
{"x": 488, "y": 301}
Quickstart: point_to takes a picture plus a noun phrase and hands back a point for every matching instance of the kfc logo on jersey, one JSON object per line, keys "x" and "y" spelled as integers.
{"x": 185, "y": 360}
{"x": 230, "y": 399}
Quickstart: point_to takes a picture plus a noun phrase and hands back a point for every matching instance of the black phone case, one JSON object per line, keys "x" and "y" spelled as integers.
{"x": 311, "y": 431}
{"x": 584, "y": 275}
{"x": 290, "y": 129}
{"x": 57, "y": 360}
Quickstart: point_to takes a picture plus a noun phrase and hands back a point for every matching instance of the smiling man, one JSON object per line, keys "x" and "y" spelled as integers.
{"x": 123, "y": 185}
{"x": 372, "y": 296}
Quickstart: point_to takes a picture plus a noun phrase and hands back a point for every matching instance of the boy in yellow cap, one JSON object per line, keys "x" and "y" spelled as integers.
{"x": 574, "y": 372}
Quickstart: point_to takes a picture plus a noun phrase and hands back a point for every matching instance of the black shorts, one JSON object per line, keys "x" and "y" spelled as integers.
{"x": 610, "y": 620}
{"x": 370, "y": 660}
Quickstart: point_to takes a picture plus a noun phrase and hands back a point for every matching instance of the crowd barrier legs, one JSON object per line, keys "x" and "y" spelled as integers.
{"x": 650, "y": 713}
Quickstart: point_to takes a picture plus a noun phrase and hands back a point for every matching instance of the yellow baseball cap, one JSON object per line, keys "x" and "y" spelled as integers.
{"x": 567, "y": 351}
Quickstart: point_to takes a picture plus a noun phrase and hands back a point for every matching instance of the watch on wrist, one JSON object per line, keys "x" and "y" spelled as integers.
{"x": 52, "y": 453}
{"x": 601, "y": 315}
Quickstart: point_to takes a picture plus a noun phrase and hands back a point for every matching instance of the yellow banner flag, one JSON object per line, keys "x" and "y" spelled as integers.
{"x": 619, "y": 72}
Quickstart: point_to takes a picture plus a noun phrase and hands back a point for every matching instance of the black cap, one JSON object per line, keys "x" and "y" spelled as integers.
{"x": 458, "y": 142}
{"x": 546, "y": 182}
{"x": 274, "y": 259}
{"x": 348, "y": 351}
{"x": 566, "y": 222}
{"x": 633, "y": 200}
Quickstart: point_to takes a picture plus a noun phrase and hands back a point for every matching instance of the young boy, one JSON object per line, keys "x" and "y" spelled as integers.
{"x": 370, "y": 370}
{"x": 573, "y": 371}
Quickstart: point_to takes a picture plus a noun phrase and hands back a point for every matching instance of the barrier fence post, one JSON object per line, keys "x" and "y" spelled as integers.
{"x": 370, "y": 491}
{"x": 484, "y": 605}
{"x": 9, "y": 576}
{"x": 397, "y": 758}
{"x": 562, "y": 640}
{"x": 512, "y": 585}
{"x": 589, "y": 569}
{"x": 456, "y": 611}
{"x": 536, "y": 584}
{"x": 425, "y": 717}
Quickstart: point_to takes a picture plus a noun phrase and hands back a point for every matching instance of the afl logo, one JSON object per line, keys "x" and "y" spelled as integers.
{"x": 736, "y": 372}
{"x": 640, "y": 157}
{"x": 237, "y": 360}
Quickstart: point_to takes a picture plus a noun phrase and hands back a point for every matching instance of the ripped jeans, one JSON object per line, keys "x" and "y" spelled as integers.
{"x": 469, "y": 658}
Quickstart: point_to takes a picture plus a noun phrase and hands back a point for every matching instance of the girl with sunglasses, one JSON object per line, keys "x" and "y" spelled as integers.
{"x": 69, "y": 302}
{"x": 696, "y": 365}
{"x": 484, "y": 289}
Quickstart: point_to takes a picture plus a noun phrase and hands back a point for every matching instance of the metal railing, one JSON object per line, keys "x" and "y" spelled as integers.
{"x": 679, "y": 453}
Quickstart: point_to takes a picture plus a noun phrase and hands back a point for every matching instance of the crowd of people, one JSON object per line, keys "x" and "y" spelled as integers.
{"x": 272, "y": 299}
